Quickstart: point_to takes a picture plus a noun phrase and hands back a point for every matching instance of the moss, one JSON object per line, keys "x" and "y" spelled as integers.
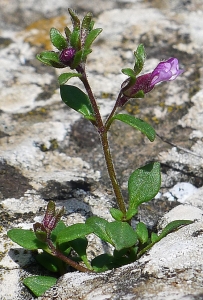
{"x": 53, "y": 146}
{"x": 132, "y": 109}
{"x": 39, "y": 31}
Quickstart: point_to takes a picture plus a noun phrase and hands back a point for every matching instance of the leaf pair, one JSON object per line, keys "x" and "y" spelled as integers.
{"x": 119, "y": 234}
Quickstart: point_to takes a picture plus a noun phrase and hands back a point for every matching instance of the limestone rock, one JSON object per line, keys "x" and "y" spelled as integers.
{"x": 45, "y": 153}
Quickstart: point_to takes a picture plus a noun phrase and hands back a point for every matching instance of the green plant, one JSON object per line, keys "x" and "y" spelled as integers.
{"x": 52, "y": 235}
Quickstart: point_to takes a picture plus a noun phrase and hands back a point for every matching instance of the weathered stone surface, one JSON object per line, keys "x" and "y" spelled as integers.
{"x": 44, "y": 153}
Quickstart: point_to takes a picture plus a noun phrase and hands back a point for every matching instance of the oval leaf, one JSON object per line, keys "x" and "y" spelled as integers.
{"x": 121, "y": 234}
{"x": 73, "y": 232}
{"x": 139, "y": 124}
{"x": 77, "y": 100}
{"x": 26, "y": 239}
{"x": 39, "y": 284}
{"x": 63, "y": 78}
{"x": 143, "y": 185}
{"x": 98, "y": 226}
{"x": 57, "y": 39}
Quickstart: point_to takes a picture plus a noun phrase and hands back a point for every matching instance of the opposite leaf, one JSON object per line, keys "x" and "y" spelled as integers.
{"x": 144, "y": 183}
{"x": 139, "y": 124}
{"x": 77, "y": 100}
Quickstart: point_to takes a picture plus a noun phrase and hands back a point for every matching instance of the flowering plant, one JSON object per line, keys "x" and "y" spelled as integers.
{"x": 52, "y": 235}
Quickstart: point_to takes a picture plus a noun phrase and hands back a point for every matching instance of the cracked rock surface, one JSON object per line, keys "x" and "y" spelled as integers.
{"x": 48, "y": 152}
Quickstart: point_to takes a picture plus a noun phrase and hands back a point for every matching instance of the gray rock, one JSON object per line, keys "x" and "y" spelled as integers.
{"x": 44, "y": 153}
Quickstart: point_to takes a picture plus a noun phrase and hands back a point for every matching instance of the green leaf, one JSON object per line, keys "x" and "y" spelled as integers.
{"x": 85, "y": 53}
{"x": 154, "y": 237}
{"x": 144, "y": 183}
{"x": 131, "y": 212}
{"x": 75, "y": 39}
{"x": 142, "y": 232}
{"x": 57, "y": 39}
{"x": 59, "y": 227}
{"x": 173, "y": 226}
{"x": 26, "y": 239}
{"x": 77, "y": 59}
{"x": 50, "y": 58}
{"x": 121, "y": 234}
{"x": 103, "y": 262}
{"x": 63, "y": 78}
{"x": 67, "y": 33}
{"x": 98, "y": 226}
{"x": 77, "y": 100}
{"x": 86, "y": 22}
{"x": 80, "y": 247}
{"x": 138, "y": 95}
{"x": 74, "y": 18}
{"x": 50, "y": 262}
{"x": 136, "y": 123}
{"x": 73, "y": 232}
{"x": 140, "y": 57}
{"x": 39, "y": 284}
{"x": 168, "y": 229}
{"x": 91, "y": 37}
{"x": 129, "y": 72}
{"x": 116, "y": 214}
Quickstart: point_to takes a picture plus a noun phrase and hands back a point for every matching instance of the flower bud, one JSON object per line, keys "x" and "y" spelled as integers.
{"x": 67, "y": 55}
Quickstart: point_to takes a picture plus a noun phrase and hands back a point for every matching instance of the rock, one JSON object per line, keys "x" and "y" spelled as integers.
{"x": 44, "y": 153}
{"x": 180, "y": 192}
{"x": 172, "y": 270}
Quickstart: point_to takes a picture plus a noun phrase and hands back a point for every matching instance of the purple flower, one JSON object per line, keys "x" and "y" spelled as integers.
{"x": 165, "y": 71}
{"x": 67, "y": 55}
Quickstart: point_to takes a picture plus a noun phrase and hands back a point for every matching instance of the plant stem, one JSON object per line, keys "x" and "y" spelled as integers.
{"x": 64, "y": 258}
{"x": 102, "y": 130}
{"x": 111, "y": 171}
{"x": 108, "y": 121}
